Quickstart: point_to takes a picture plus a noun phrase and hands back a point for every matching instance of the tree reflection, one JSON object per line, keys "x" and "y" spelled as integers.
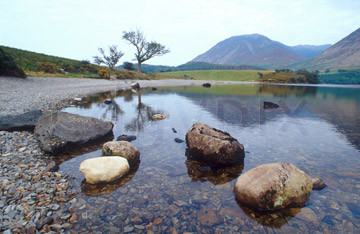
{"x": 144, "y": 115}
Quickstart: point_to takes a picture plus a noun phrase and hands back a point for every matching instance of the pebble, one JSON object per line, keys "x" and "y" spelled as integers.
{"x": 28, "y": 192}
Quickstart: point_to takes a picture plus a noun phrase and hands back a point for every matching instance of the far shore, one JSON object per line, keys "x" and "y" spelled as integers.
{"x": 21, "y": 95}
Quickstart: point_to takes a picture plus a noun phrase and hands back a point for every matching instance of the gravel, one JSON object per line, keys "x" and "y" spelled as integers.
{"x": 21, "y": 95}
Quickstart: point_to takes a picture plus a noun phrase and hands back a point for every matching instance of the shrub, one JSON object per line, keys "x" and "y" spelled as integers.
{"x": 47, "y": 67}
{"x": 293, "y": 80}
{"x": 69, "y": 68}
{"x": 8, "y": 66}
{"x": 104, "y": 74}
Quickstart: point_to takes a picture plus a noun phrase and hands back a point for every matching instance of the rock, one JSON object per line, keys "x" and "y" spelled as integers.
{"x": 208, "y": 218}
{"x": 308, "y": 215}
{"x": 158, "y": 117}
{"x": 60, "y": 131}
{"x": 22, "y": 122}
{"x": 128, "y": 229}
{"x": 206, "y": 85}
{"x": 174, "y": 130}
{"x": 56, "y": 227}
{"x": 135, "y": 86}
{"x": 42, "y": 222}
{"x": 154, "y": 89}
{"x": 354, "y": 208}
{"x": 126, "y": 138}
{"x": 122, "y": 149}
{"x": 318, "y": 184}
{"x": 78, "y": 99}
{"x": 31, "y": 230}
{"x": 270, "y": 105}
{"x": 274, "y": 186}
{"x": 52, "y": 167}
{"x": 178, "y": 140}
{"x": 104, "y": 169}
{"x": 212, "y": 146}
{"x": 107, "y": 102}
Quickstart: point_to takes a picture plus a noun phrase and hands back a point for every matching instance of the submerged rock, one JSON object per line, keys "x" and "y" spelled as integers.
{"x": 123, "y": 149}
{"x": 212, "y": 146}
{"x": 104, "y": 169}
{"x": 208, "y": 218}
{"x": 22, "y": 122}
{"x": 270, "y": 105}
{"x": 206, "y": 85}
{"x": 274, "y": 186}
{"x": 318, "y": 184}
{"x": 61, "y": 131}
{"x": 126, "y": 138}
{"x": 178, "y": 140}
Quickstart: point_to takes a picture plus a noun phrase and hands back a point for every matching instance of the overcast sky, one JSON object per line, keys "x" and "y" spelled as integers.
{"x": 76, "y": 28}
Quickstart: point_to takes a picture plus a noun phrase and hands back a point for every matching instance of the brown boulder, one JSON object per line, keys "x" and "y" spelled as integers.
{"x": 212, "y": 146}
{"x": 123, "y": 149}
{"x": 274, "y": 186}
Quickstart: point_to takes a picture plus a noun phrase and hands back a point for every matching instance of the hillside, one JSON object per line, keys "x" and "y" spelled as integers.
{"x": 254, "y": 49}
{"x": 309, "y": 51}
{"x": 221, "y": 75}
{"x": 192, "y": 66}
{"x": 344, "y": 54}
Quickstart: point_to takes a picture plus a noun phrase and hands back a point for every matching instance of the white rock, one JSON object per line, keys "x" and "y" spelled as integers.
{"x": 104, "y": 169}
{"x": 158, "y": 116}
{"x": 78, "y": 99}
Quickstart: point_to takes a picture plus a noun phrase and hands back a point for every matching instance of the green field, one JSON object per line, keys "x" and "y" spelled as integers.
{"x": 220, "y": 75}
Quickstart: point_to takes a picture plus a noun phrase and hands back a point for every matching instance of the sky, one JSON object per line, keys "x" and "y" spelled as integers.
{"x": 76, "y": 28}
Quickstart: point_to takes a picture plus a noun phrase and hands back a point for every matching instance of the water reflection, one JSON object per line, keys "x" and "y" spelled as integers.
{"x": 169, "y": 189}
{"x": 198, "y": 171}
{"x": 107, "y": 188}
{"x": 274, "y": 219}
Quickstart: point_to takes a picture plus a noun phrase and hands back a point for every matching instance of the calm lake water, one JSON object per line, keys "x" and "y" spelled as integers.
{"x": 315, "y": 128}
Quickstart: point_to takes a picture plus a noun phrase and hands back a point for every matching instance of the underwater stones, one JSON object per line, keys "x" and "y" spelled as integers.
{"x": 104, "y": 169}
{"x": 123, "y": 149}
{"x": 212, "y": 146}
{"x": 318, "y": 184}
{"x": 208, "y": 218}
{"x": 274, "y": 186}
{"x": 60, "y": 131}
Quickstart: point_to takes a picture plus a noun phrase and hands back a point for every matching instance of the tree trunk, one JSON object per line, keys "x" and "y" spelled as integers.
{"x": 139, "y": 68}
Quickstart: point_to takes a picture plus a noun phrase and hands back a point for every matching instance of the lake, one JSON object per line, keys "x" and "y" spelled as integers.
{"x": 316, "y": 128}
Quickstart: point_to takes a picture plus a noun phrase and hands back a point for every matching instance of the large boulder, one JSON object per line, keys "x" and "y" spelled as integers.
{"x": 212, "y": 146}
{"x": 22, "y": 122}
{"x": 8, "y": 66}
{"x": 104, "y": 169}
{"x": 274, "y": 186}
{"x": 60, "y": 131}
{"x": 123, "y": 149}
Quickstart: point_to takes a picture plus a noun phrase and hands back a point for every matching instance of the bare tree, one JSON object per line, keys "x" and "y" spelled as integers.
{"x": 110, "y": 60}
{"x": 144, "y": 50}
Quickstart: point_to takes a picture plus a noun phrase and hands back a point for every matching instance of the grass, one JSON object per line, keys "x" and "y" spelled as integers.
{"x": 216, "y": 75}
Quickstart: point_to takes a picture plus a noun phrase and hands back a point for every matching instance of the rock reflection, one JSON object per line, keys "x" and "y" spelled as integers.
{"x": 198, "y": 171}
{"x": 274, "y": 219}
{"x": 107, "y": 188}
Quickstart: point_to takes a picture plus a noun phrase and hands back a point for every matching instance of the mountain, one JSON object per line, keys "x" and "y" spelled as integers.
{"x": 309, "y": 51}
{"x": 253, "y": 49}
{"x": 343, "y": 54}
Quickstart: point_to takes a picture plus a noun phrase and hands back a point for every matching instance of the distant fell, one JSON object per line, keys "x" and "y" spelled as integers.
{"x": 253, "y": 49}
{"x": 343, "y": 54}
{"x": 309, "y": 51}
